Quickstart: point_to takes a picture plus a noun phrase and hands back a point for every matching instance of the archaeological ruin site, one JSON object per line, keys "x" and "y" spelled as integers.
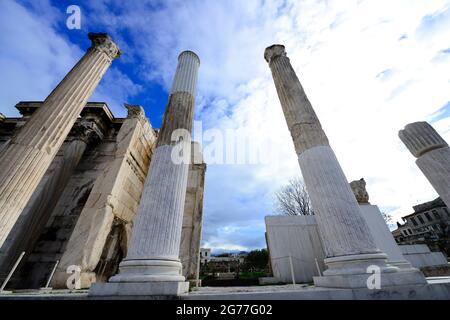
{"x": 85, "y": 192}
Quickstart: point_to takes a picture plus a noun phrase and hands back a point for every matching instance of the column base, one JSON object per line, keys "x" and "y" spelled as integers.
{"x": 361, "y": 271}
{"x": 148, "y": 277}
{"x": 149, "y": 270}
{"x": 163, "y": 289}
{"x": 402, "y": 264}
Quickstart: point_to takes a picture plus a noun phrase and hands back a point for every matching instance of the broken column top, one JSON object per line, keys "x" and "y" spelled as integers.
{"x": 186, "y": 75}
{"x": 189, "y": 53}
{"x": 359, "y": 190}
{"x": 275, "y": 50}
{"x": 420, "y": 138}
{"x": 103, "y": 42}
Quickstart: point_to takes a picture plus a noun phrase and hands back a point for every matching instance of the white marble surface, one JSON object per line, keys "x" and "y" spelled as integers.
{"x": 298, "y": 237}
{"x": 435, "y": 165}
{"x": 432, "y": 153}
{"x": 186, "y": 74}
{"x": 419, "y": 255}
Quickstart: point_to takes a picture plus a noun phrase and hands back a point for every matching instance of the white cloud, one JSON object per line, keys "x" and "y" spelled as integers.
{"x": 35, "y": 58}
{"x": 369, "y": 68}
{"x": 337, "y": 49}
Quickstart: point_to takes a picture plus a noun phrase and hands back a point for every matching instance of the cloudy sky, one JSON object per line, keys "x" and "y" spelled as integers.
{"x": 369, "y": 67}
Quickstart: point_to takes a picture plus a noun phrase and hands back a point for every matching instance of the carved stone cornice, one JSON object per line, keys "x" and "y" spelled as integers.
{"x": 104, "y": 43}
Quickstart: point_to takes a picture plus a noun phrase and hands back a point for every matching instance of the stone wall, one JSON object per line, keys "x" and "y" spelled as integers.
{"x": 83, "y": 209}
{"x": 107, "y": 216}
{"x": 420, "y": 256}
{"x": 296, "y": 237}
{"x": 85, "y": 217}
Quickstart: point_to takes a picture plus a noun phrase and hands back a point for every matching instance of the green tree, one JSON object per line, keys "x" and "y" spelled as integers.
{"x": 256, "y": 260}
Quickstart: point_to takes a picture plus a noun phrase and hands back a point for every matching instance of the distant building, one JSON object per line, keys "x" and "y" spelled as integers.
{"x": 205, "y": 255}
{"x": 429, "y": 223}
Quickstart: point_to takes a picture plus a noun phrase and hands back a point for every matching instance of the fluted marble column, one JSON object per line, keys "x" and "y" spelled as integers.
{"x": 26, "y": 231}
{"x": 349, "y": 246}
{"x": 432, "y": 153}
{"x": 152, "y": 265}
{"x": 29, "y": 154}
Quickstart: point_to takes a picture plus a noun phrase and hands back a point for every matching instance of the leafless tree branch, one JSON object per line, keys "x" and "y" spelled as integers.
{"x": 293, "y": 199}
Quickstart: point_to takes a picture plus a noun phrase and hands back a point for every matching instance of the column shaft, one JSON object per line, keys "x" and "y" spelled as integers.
{"x": 432, "y": 153}
{"x": 152, "y": 265}
{"x": 29, "y": 154}
{"x": 339, "y": 219}
{"x": 349, "y": 245}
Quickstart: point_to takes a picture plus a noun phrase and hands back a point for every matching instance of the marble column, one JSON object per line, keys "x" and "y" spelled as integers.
{"x": 349, "y": 246}
{"x": 28, "y": 155}
{"x": 152, "y": 265}
{"x": 432, "y": 153}
{"x": 33, "y": 218}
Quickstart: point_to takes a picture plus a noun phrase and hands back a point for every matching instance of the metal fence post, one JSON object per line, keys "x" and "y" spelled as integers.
{"x": 12, "y": 271}
{"x": 51, "y": 275}
{"x": 292, "y": 269}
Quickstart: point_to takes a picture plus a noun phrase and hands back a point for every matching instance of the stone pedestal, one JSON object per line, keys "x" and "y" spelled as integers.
{"x": 349, "y": 246}
{"x": 152, "y": 265}
{"x": 432, "y": 153}
{"x": 383, "y": 237}
{"x": 28, "y": 155}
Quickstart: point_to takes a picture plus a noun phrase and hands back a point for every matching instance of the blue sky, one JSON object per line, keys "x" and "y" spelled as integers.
{"x": 369, "y": 67}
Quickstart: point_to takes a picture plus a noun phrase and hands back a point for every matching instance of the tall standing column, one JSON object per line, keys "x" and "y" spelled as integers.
{"x": 152, "y": 265}
{"x": 349, "y": 246}
{"x": 432, "y": 153}
{"x": 28, "y": 155}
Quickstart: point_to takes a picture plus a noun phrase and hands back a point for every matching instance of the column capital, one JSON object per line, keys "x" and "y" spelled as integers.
{"x": 86, "y": 131}
{"x": 420, "y": 138}
{"x": 135, "y": 111}
{"x": 274, "y": 51}
{"x": 103, "y": 42}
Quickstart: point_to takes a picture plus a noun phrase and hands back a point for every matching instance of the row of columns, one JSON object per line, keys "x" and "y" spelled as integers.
{"x": 152, "y": 265}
